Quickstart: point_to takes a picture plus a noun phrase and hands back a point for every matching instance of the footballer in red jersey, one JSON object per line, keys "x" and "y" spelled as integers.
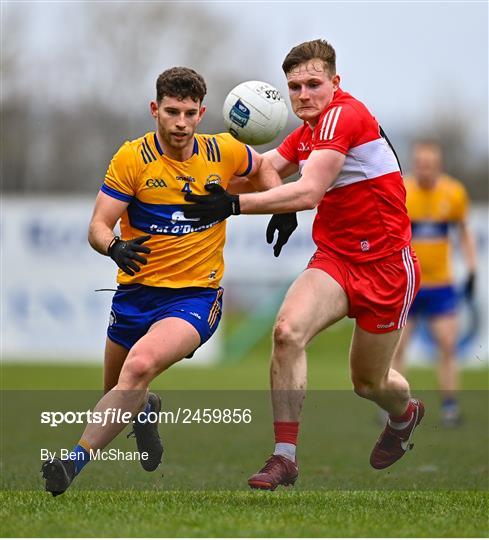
{"x": 369, "y": 183}
{"x": 363, "y": 268}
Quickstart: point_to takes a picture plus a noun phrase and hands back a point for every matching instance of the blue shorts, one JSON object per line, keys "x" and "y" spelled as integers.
{"x": 135, "y": 308}
{"x": 434, "y": 301}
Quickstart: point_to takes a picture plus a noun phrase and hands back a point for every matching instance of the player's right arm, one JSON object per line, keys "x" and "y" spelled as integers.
{"x": 112, "y": 201}
{"x": 106, "y": 213}
{"x": 125, "y": 253}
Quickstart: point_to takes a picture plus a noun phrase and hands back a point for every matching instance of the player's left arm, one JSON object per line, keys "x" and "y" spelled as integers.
{"x": 262, "y": 176}
{"x": 239, "y": 185}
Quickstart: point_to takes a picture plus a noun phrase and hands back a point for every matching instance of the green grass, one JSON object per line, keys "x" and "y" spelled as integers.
{"x": 439, "y": 489}
{"x": 248, "y": 514}
{"x": 327, "y": 369}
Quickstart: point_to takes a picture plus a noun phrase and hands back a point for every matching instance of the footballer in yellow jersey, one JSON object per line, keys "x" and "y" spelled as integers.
{"x": 184, "y": 253}
{"x": 438, "y": 206}
{"x": 168, "y": 301}
{"x": 434, "y": 212}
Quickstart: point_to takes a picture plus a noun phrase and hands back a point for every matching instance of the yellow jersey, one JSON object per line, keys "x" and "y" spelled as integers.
{"x": 433, "y": 213}
{"x": 184, "y": 253}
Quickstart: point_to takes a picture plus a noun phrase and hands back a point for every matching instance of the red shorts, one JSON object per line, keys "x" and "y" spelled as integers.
{"x": 379, "y": 293}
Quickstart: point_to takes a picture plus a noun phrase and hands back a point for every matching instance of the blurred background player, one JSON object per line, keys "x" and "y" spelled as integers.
{"x": 437, "y": 204}
{"x": 168, "y": 302}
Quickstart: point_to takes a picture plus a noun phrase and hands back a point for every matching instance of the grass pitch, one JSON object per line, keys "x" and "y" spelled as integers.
{"x": 439, "y": 489}
{"x": 247, "y": 514}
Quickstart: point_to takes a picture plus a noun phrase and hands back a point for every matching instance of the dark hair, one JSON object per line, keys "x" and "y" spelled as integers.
{"x": 318, "y": 48}
{"x": 181, "y": 83}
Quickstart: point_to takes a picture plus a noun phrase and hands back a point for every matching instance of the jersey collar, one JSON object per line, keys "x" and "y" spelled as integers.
{"x": 160, "y": 150}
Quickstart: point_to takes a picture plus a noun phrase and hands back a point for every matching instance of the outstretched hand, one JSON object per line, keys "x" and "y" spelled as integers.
{"x": 285, "y": 224}
{"x": 125, "y": 253}
{"x": 218, "y": 206}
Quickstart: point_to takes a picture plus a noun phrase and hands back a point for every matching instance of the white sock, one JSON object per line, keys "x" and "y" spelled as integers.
{"x": 285, "y": 449}
{"x": 400, "y": 425}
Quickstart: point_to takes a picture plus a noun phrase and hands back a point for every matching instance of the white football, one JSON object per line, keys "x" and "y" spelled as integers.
{"x": 254, "y": 112}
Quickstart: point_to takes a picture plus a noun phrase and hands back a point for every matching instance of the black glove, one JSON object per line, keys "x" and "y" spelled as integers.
{"x": 125, "y": 252}
{"x": 217, "y": 206}
{"x": 470, "y": 286}
{"x": 285, "y": 224}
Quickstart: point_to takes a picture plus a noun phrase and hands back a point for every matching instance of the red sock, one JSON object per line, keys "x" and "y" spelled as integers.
{"x": 405, "y": 417}
{"x": 286, "y": 432}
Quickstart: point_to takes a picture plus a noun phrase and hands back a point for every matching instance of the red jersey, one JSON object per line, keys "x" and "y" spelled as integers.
{"x": 363, "y": 215}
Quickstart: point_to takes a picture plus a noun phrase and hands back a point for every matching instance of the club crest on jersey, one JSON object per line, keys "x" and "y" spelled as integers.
{"x": 239, "y": 114}
{"x": 365, "y": 245}
{"x": 303, "y": 147}
{"x": 213, "y": 179}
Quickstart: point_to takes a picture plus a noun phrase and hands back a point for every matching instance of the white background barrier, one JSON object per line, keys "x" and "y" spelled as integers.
{"x": 50, "y": 310}
{"x": 49, "y": 274}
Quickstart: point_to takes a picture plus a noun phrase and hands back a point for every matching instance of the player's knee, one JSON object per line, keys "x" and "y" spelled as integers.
{"x": 138, "y": 368}
{"x": 286, "y": 335}
{"x": 447, "y": 349}
{"x": 366, "y": 387}
{"x": 363, "y": 390}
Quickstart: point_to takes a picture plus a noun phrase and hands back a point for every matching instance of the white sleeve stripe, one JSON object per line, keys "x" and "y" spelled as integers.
{"x": 331, "y": 133}
{"x": 326, "y": 116}
{"x": 326, "y": 128}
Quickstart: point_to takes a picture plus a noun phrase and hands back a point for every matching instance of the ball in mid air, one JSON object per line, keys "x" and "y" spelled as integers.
{"x": 254, "y": 112}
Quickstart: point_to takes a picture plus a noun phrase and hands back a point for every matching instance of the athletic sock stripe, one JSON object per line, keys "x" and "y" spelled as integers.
{"x": 337, "y": 115}
{"x": 83, "y": 443}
